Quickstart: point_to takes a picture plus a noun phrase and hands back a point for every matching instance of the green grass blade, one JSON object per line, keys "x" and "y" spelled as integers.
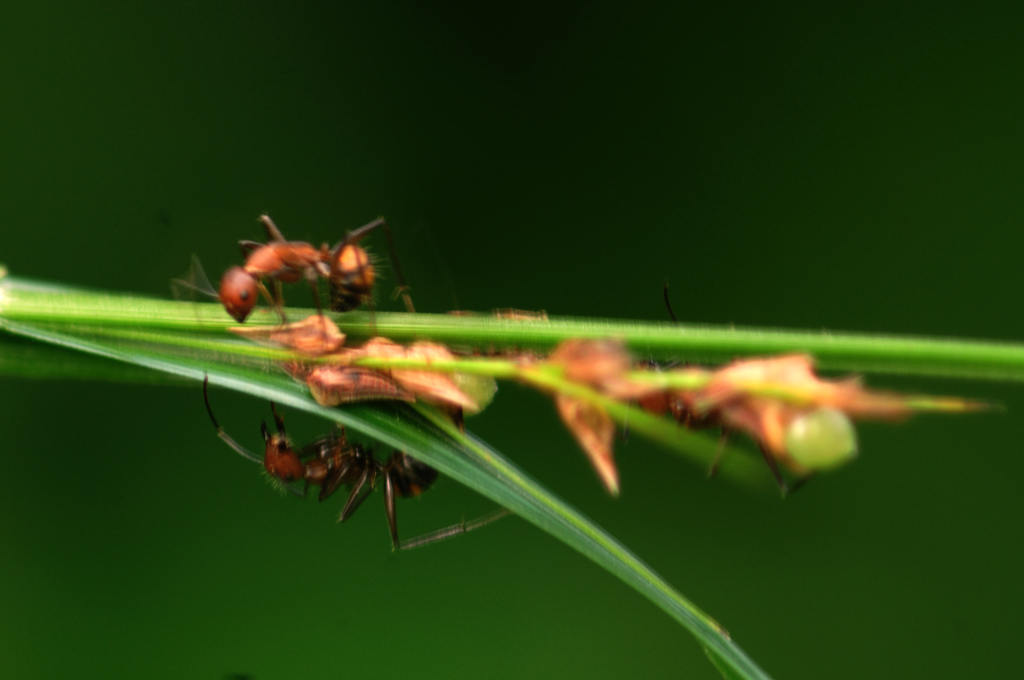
{"x": 722, "y": 666}
{"x": 430, "y": 437}
{"x": 23, "y": 300}
{"x": 21, "y": 358}
{"x": 185, "y": 340}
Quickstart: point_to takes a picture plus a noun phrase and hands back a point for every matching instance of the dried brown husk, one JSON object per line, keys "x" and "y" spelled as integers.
{"x": 315, "y": 335}
{"x": 431, "y": 386}
{"x": 738, "y": 398}
{"x": 793, "y": 377}
{"x": 592, "y": 362}
{"x": 333, "y": 385}
{"x": 595, "y": 432}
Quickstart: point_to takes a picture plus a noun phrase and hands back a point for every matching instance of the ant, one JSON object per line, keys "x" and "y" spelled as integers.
{"x": 346, "y": 266}
{"x": 330, "y": 461}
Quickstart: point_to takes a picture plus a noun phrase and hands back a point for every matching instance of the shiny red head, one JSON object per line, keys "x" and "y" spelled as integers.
{"x": 238, "y": 293}
{"x": 279, "y": 460}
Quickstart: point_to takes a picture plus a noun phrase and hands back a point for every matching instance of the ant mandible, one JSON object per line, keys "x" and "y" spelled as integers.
{"x": 330, "y": 461}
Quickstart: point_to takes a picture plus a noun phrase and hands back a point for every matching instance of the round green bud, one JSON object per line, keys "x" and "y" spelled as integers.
{"x": 822, "y": 439}
{"x": 479, "y": 388}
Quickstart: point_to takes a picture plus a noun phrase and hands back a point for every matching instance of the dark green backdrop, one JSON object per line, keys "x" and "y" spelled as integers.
{"x": 851, "y": 168}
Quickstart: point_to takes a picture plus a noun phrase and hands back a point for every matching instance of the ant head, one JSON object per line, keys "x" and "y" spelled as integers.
{"x": 238, "y": 293}
{"x": 279, "y": 460}
{"x": 351, "y": 268}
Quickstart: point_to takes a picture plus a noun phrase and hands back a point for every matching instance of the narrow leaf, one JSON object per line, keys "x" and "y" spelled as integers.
{"x": 430, "y": 436}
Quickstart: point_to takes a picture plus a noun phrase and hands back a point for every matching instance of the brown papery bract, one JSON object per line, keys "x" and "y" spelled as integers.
{"x": 793, "y": 377}
{"x": 431, "y": 386}
{"x": 592, "y": 362}
{"x": 315, "y": 335}
{"x": 603, "y": 365}
{"x": 594, "y": 430}
{"x": 739, "y": 397}
{"x": 762, "y": 397}
{"x": 333, "y": 385}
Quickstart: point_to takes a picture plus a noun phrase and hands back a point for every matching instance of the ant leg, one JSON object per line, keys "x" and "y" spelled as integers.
{"x": 278, "y": 305}
{"x": 774, "y": 467}
{"x": 719, "y": 453}
{"x": 354, "y": 499}
{"x": 273, "y": 233}
{"x": 372, "y": 308}
{"x": 279, "y": 300}
{"x": 454, "y": 530}
{"x": 389, "y": 508}
{"x": 248, "y": 246}
{"x": 221, "y": 433}
{"x": 801, "y": 481}
{"x": 625, "y": 424}
{"x": 314, "y": 278}
{"x": 459, "y": 418}
{"x": 356, "y": 235}
{"x": 668, "y": 305}
{"x": 332, "y": 483}
{"x": 403, "y": 287}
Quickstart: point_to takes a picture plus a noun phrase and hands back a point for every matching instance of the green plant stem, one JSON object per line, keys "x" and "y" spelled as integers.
{"x": 22, "y": 300}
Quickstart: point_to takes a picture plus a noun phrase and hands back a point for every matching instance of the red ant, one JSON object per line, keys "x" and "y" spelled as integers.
{"x": 347, "y": 267}
{"x": 330, "y": 461}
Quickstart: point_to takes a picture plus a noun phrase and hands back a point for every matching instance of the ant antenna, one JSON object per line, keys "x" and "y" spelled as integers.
{"x": 273, "y": 233}
{"x": 774, "y": 467}
{"x": 440, "y": 262}
{"x": 668, "y": 305}
{"x": 220, "y": 432}
{"x": 454, "y": 530}
{"x": 278, "y": 419}
{"x": 241, "y": 450}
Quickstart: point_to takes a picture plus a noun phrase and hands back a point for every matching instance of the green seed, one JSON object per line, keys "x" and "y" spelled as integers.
{"x": 479, "y": 388}
{"x": 822, "y": 439}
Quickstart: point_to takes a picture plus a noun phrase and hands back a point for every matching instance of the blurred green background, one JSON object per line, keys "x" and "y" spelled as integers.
{"x": 850, "y": 167}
